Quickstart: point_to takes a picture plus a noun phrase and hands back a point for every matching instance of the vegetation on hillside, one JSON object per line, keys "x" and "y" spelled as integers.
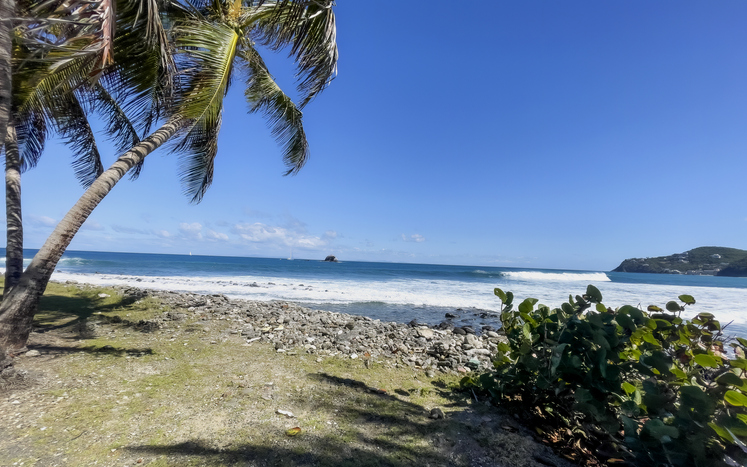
{"x": 707, "y": 260}
{"x": 624, "y": 386}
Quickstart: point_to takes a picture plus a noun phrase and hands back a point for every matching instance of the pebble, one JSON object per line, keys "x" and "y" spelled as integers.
{"x": 289, "y": 327}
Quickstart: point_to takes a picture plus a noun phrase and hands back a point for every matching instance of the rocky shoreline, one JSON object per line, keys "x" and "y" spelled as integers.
{"x": 291, "y": 328}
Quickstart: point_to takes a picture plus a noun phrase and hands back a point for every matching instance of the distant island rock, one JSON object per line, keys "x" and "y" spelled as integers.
{"x": 331, "y": 259}
{"x": 703, "y": 261}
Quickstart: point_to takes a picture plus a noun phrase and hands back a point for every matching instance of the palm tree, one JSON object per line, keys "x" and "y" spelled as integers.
{"x": 61, "y": 100}
{"x": 215, "y": 41}
{"x": 7, "y": 11}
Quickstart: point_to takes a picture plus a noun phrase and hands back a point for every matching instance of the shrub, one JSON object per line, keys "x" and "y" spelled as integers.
{"x": 624, "y": 386}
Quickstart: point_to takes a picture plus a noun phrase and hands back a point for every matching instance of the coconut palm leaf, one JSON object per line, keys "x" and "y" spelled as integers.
{"x": 206, "y": 52}
{"x": 309, "y": 28}
{"x": 31, "y": 134}
{"x": 71, "y": 123}
{"x": 264, "y": 95}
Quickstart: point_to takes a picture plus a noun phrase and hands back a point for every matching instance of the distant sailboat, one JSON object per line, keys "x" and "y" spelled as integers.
{"x": 190, "y": 253}
{"x": 291, "y": 256}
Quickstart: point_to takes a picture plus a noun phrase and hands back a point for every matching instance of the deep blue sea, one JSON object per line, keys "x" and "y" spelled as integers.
{"x": 397, "y": 291}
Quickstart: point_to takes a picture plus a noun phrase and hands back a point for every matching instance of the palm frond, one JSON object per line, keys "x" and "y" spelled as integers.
{"x": 206, "y": 51}
{"x": 71, "y": 123}
{"x": 264, "y": 95}
{"x": 309, "y": 28}
{"x": 31, "y": 134}
{"x": 198, "y": 150}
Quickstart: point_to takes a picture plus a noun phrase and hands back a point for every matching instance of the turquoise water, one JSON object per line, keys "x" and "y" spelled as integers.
{"x": 397, "y": 291}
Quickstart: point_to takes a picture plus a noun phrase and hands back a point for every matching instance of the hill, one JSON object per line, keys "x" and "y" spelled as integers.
{"x": 704, "y": 261}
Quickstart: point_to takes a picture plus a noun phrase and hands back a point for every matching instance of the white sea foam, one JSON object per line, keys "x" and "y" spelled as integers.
{"x": 556, "y": 276}
{"x": 722, "y": 302}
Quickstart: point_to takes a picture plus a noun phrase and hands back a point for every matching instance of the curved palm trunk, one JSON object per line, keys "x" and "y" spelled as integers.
{"x": 7, "y": 12}
{"x": 14, "y": 248}
{"x": 19, "y": 306}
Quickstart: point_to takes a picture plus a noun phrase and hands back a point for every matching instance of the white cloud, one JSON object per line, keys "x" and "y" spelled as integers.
{"x": 330, "y": 235}
{"x": 163, "y": 233}
{"x": 417, "y": 238}
{"x": 279, "y": 236}
{"x": 129, "y": 230}
{"x": 218, "y": 236}
{"x": 192, "y": 231}
{"x": 40, "y": 221}
{"x": 92, "y": 225}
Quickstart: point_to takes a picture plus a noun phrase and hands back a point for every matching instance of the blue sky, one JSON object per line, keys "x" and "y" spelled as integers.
{"x": 528, "y": 134}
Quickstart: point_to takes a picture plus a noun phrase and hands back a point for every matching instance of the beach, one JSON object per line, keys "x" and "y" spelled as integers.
{"x": 128, "y": 376}
{"x": 398, "y": 292}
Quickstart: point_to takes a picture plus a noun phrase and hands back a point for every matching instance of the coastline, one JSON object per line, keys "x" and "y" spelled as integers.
{"x": 292, "y": 328}
{"x": 125, "y": 376}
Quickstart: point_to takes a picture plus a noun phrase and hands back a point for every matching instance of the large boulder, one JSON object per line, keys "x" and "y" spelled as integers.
{"x": 331, "y": 259}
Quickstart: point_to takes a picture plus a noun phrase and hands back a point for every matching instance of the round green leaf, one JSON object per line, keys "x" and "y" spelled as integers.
{"x": 500, "y": 294}
{"x": 593, "y": 294}
{"x": 628, "y": 388}
{"x": 673, "y": 306}
{"x": 687, "y": 299}
{"x": 735, "y": 398}
{"x": 707, "y": 361}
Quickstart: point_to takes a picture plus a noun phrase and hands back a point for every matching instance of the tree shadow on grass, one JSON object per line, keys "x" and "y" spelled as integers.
{"x": 45, "y": 349}
{"x": 370, "y": 428}
{"x": 53, "y": 307}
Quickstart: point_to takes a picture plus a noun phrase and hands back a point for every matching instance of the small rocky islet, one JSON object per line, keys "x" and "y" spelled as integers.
{"x": 292, "y": 328}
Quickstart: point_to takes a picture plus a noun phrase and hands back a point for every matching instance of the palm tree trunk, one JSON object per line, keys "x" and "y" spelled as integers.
{"x": 19, "y": 306}
{"x": 7, "y": 13}
{"x": 14, "y": 247}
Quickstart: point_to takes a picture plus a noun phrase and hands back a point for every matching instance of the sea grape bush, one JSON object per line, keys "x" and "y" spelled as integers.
{"x": 625, "y": 385}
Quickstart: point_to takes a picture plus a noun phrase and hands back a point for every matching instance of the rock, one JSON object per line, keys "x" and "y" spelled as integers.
{"x": 426, "y": 333}
{"x": 468, "y": 329}
{"x": 436, "y": 414}
{"x": 492, "y": 334}
{"x": 32, "y": 353}
{"x": 459, "y": 331}
{"x": 414, "y": 323}
{"x": 451, "y": 315}
{"x": 331, "y": 259}
{"x": 104, "y": 295}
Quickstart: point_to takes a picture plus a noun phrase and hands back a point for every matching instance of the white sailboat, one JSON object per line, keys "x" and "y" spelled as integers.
{"x": 291, "y": 256}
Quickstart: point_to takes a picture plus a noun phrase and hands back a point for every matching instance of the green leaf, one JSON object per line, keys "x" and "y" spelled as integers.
{"x": 628, "y": 388}
{"x": 742, "y": 341}
{"x": 557, "y": 355}
{"x": 500, "y": 294}
{"x": 707, "y": 361}
{"x": 509, "y": 298}
{"x": 687, "y": 299}
{"x": 653, "y": 308}
{"x": 593, "y": 294}
{"x": 673, "y": 306}
{"x": 735, "y": 398}
{"x": 527, "y": 306}
{"x": 657, "y": 429}
{"x": 730, "y": 379}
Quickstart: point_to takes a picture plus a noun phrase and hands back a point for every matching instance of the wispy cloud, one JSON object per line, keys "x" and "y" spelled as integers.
{"x": 129, "y": 230}
{"x": 277, "y": 236}
{"x": 40, "y": 221}
{"x": 92, "y": 225}
{"x": 192, "y": 231}
{"x": 417, "y": 238}
{"x": 216, "y": 236}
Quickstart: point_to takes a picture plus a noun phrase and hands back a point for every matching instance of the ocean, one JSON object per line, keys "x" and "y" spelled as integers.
{"x": 398, "y": 291}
